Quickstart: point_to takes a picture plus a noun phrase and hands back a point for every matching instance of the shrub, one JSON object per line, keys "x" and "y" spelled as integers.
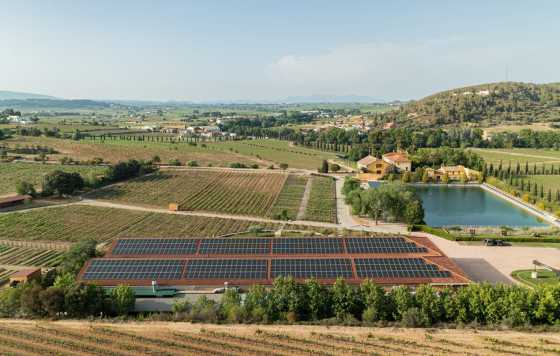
{"x": 411, "y": 318}
{"x": 25, "y": 188}
{"x": 192, "y": 163}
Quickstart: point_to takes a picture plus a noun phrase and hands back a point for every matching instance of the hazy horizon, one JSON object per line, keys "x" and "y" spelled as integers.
{"x": 255, "y": 51}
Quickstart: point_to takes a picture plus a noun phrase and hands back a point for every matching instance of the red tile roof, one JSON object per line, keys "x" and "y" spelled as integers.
{"x": 397, "y": 157}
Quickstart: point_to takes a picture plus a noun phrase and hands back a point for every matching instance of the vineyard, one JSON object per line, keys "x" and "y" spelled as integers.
{"x": 121, "y": 150}
{"x": 188, "y": 339}
{"x": 290, "y": 197}
{"x": 78, "y": 222}
{"x": 322, "y": 200}
{"x": 4, "y": 276}
{"x": 11, "y": 173}
{"x": 225, "y": 191}
{"x": 24, "y": 256}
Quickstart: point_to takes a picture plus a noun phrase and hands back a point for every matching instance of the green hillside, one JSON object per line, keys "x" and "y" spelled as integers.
{"x": 489, "y": 104}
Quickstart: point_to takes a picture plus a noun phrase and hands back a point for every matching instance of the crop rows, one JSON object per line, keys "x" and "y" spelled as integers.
{"x": 29, "y": 256}
{"x": 290, "y": 197}
{"x": 245, "y": 193}
{"x": 168, "y": 339}
{"x": 4, "y": 275}
{"x": 322, "y": 200}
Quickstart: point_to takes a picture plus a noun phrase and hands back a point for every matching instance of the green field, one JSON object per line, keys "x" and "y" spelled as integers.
{"x": 521, "y": 155}
{"x": 121, "y": 150}
{"x": 548, "y": 181}
{"x": 290, "y": 197}
{"x": 322, "y": 200}
{"x": 11, "y": 173}
{"x": 544, "y": 277}
{"x": 276, "y": 151}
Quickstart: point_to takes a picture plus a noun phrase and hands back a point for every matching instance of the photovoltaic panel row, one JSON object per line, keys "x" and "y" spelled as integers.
{"x": 134, "y": 269}
{"x": 247, "y": 246}
{"x": 397, "y": 268}
{"x": 155, "y": 247}
{"x": 227, "y": 269}
{"x": 312, "y": 268}
{"x": 310, "y": 245}
{"x": 382, "y": 245}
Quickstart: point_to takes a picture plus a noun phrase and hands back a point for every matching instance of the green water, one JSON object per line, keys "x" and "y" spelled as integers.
{"x": 471, "y": 206}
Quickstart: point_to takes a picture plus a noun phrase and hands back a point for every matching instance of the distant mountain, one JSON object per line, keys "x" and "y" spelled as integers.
{"x": 36, "y": 104}
{"x": 14, "y": 95}
{"x": 490, "y": 104}
{"x": 330, "y": 99}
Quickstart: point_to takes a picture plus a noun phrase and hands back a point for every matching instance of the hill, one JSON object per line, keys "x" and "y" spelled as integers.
{"x": 488, "y": 104}
{"x": 14, "y": 95}
{"x": 35, "y": 104}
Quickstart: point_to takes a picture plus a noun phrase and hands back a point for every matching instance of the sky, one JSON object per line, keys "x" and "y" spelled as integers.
{"x": 269, "y": 50}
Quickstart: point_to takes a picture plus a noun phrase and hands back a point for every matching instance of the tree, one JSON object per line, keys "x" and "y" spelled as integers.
{"x": 318, "y": 299}
{"x": 403, "y": 300}
{"x": 283, "y": 166}
{"x": 25, "y": 188}
{"x": 375, "y": 302}
{"x": 345, "y": 301}
{"x": 31, "y": 300}
{"x": 77, "y": 255}
{"x": 333, "y": 167}
{"x": 414, "y": 213}
{"x": 445, "y": 178}
{"x": 406, "y": 177}
{"x": 256, "y": 304}
{"x": 192, "y": 163}
{"x": 62, "y": 183}
{"x": 464, "y": 179}
{"x": 123, "y": 299}
{"x": 286, "y": 299}
{"x": 52, "y": 301}
{"x": 428, "y": 303}
{"x": 156, "y": 159}
{"x": 324, "y": 167}
{"x": 425, "y": 177}
{"x": 230, "y": 305}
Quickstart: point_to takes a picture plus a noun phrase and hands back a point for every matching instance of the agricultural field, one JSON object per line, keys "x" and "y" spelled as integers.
{"x": 322, "y": 200}
{"x": 23, "y": 256}
{"x": 4, "y": 276}
{"x": 277, "y": 151}
{"x": 290, "y": 197}
{"x": 521, "y": 155}
{"x": 551, "y": 182}
{"x": 86, "y": 338}
{"x": 11, "y": 173}
{"x": 227, "y": 191}
{"x": 120, "y": 150}
{"x": 79, "y": 222}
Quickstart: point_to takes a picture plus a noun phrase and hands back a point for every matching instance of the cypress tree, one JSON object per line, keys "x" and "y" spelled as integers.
{"x": 526, "y": 167}
{"x": 549, "y": 196}
{"x": 541, "y": 192}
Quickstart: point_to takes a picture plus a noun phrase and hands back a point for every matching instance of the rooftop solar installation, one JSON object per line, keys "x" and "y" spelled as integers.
{"x": 307, "y": 245}
{"x": 397, "y": 268}
{"x": 312, "y": 268}
{"x": 248, "y": 246}
{"x": 134, "y": 269}
{"x": 383, "y": 245}
{"x": 227, "y": 269}
{"x": 155, "y": 247}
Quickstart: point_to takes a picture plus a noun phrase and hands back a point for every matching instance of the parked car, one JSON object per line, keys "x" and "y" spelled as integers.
{"x": 493, "y": 242}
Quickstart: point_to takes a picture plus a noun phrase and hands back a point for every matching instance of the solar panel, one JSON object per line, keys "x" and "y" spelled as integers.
{"x": 134, "y": 269}
{"x": 311, "y": 245}
{"x": 397, "y": 268}
{"x": 227, "y": 269}
{"x": 316, "y": 268}
{"x": 382, "y": 245}
{"x": 238, "y": 246}
{"x": 155, "y": 247}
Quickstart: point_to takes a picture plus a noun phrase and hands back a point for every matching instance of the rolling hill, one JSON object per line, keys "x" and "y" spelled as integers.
{"x": 488, "y": 104}
{"x": 14, "y": 95}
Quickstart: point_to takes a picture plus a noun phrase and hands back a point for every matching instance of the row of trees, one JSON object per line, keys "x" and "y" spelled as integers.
{"x": 389, "y": 202}
{"x": 58, "y": 294}
{"x": 289, "y": 301}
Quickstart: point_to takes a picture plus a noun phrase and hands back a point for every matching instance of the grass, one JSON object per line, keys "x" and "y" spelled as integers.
{"x": 548, "y": 181}
{"x": 290, "y": 197}
{"x": 234, "y": 192}
{"x": 11, "y": 173}
{"x": 322, "y": 200}
{"x": 277, "y": 151}
{"x": 544, "y": 277}
{"x": 121, "y": 150}
{"x": 521, "y": 155}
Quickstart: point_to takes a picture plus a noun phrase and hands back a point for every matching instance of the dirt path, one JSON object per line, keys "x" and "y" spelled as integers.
{"x": 305, "y": 199}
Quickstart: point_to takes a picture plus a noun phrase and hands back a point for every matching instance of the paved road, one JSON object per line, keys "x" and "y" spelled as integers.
{"x": 494, "y": 263}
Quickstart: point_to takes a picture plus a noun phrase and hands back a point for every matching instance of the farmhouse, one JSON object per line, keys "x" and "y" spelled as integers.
{"x": 25, "y": 276}
{"x": 458, "y": 172}
{"x": 399, "y": 160}
{"x": 375, "y": 168}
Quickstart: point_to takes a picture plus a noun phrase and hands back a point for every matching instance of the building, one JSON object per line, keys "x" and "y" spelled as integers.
{"x": 14, "y": 201}
{"x": 25, "y": 276}
{"x": 399, "y": 160}
{"x": 453, "y": 172}
{"x": 215, "y": 262}
{"x": 374, "y": 167}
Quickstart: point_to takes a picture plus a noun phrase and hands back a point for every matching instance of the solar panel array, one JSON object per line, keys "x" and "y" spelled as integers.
{"x": 312, "y": 268}
{"x": 383, "y": 245}
{"x": 134, "y": 269}
{"x": 227, "y": 269}
{"x": 155, "y": 247}
{"x": 397, "y": 268}
{"x": 246, "y": 246}
{"x": 310, "y": 245}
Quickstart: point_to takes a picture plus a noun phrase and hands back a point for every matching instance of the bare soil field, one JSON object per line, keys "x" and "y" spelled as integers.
{"x": 94, "y": 338}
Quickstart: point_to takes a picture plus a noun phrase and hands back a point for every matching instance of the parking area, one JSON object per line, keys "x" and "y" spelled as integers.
{"x": 495, "y": 263}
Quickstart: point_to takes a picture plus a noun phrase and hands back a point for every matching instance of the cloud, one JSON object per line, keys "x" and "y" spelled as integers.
{"x": 401, "y": 70}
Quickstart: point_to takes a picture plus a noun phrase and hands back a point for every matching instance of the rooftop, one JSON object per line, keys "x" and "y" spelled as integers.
{"x": 367, "y": 160}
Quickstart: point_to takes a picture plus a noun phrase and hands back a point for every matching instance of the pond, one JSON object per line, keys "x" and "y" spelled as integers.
{"x": 470, "y": 206}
